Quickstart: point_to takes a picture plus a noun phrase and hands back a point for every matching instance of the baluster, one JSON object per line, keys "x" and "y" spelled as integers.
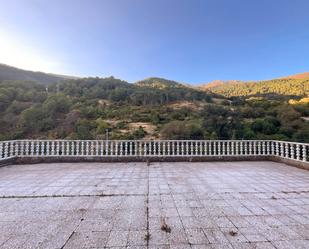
{"x": 82, "y": 147}
{"x": 151, "y": 148}
{"x": 22, "y": 148}
{"x": 278, "y": 148}
{"x": 282, "y": 149}
{"x": 57, "y": 148}
{"x": 304, "y": 153}
{"x": 32, "y": 148}
{"x": 61, "y": 148}
{"x": 46, "y": 148}
{"x": 237, "y": 148}
{"x": 246, "y": 148}
{"x": 111, "y": 147}
{"x": 297, "y": 152}
{"x": 140, "y": 151}
{"x": 16, "y": 143}
{"x": 1, "y": 150}
{"x": 228, "y": 147}
{"x": 92, "y": 146}
{"x": 71, "y": 148}
{"x": 6, "y": 151}
{"x": 210, "y": 148}
{"x": 42, "y": 152}
{"x": 26, "y": 145}
{"x": 286, "y": 148}
{"x": 135, "y": 148}
{"x": 292, "y": 151}
{"x": 197, "y": 148}
{"x": 78, "y": 153}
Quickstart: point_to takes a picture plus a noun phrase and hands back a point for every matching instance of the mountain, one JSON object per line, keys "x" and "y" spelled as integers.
{"x": 153, "y": 108}
{"x": 159, "y": 83}
{"x": 294, "y": 85}
{"x": 13, "y": 73}
{"x": 217, "y": 83}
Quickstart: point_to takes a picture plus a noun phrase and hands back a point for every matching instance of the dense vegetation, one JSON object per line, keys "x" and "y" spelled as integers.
{"x": 153, "y": 108}
{"x": 278, "y": 87}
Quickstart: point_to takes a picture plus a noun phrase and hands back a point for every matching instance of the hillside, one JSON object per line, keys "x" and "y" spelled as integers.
{"x": 159, "y": 83}
{"x": 277, "y": 87}
{"x": 85, "y": 108}
{"x": 13, "y": 73}
{"x": 153, "y": 108}
{"x": 217, "y": 83}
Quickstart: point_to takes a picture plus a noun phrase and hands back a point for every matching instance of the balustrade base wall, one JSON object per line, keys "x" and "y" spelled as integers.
{"x": 31, "y": 160}
{"x": 34, "y": 160}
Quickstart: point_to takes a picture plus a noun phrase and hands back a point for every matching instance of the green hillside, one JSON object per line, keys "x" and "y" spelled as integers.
{"x": 154, "y": 109}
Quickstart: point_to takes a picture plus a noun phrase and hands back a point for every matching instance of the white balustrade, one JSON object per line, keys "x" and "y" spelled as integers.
{"x": 163, "y": 148}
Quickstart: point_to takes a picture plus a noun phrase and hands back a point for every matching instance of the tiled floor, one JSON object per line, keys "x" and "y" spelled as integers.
{"x": 165, "y": 205}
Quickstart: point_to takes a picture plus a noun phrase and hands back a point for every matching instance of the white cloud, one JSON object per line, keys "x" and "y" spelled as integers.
{"x": 16, "y": 52}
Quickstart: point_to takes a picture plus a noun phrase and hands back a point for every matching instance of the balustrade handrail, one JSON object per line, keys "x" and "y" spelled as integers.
{"x": 153, "y": 148}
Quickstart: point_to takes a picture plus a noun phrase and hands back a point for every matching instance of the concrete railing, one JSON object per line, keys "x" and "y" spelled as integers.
{"x": 155, "y": 148}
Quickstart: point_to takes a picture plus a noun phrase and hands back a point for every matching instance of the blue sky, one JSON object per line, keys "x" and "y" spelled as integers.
{"x": 192, "y": 41}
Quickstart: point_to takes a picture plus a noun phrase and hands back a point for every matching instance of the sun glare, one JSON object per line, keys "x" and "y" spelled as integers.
{"x": 21, "y": 55}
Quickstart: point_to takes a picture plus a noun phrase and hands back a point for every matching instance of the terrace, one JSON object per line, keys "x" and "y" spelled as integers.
{"x": 161, "y": 199}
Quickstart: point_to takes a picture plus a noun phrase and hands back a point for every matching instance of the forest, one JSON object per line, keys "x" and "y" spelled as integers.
{"x": 88, "y": 108}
